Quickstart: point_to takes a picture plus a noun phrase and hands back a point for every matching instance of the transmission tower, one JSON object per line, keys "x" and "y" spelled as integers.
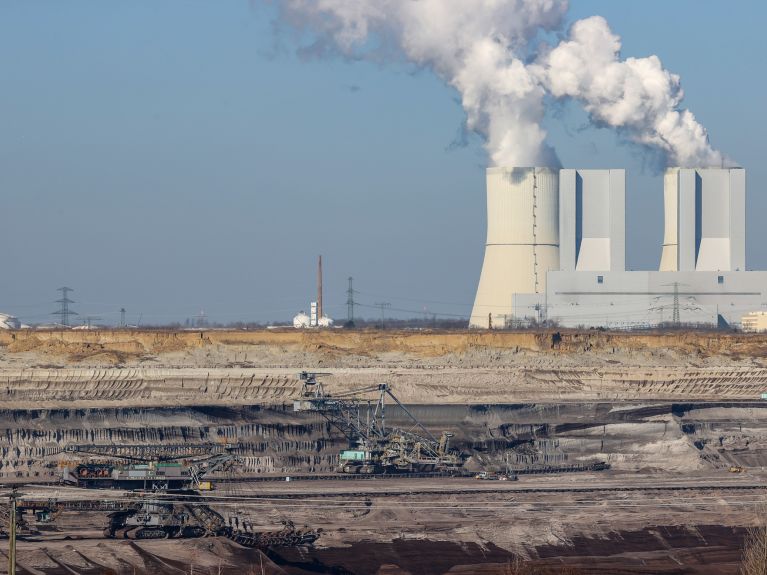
{"x": 383, "y": 305}
{"x": 350, "y": 302}
{"x": 64, "y": 312}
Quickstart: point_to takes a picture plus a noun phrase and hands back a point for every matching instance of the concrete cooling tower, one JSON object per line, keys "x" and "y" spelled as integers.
{"x": 522, "y": 240}
{"x": 705, "y": 212}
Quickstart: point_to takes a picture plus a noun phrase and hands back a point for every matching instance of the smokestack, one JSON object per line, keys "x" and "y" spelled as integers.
{"x": 320, "y": 315}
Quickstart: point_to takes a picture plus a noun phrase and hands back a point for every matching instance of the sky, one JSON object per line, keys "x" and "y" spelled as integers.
{"x": 177, "y": 156}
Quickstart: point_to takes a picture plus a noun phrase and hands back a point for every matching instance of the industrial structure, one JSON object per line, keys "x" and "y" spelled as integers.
{"x": 522, "y": 239}
{"x": 65, "y": 312}
{"x": 756, "y": 321}
{"x": 9, "y": 322}
{"x": 556, "y": 244}
{"x": 167, "y": 497}
{"x": 373, "y": 447}
{"x": 316, "y": 316}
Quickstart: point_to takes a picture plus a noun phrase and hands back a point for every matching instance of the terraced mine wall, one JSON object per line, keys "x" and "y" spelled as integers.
{"x": 123, "y": 345}
{"x": 676, "y": 406}
{"x": 121, "y": 368}
{"x": 108, "y": 387}
{"x": 673, "y": 437}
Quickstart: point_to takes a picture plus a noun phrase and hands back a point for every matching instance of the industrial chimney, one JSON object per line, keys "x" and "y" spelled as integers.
{"x": 319, "y": 289}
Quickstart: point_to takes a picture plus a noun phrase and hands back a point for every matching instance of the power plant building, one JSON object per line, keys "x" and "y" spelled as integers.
{"x": 592, "y": 225}
{"x": 705, "y": 213}
{"x": 756, "y": 321}
{"x": 702, "y": 278}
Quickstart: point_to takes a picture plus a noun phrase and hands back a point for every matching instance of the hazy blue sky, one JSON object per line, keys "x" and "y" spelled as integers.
{"x": 168, "y": 156}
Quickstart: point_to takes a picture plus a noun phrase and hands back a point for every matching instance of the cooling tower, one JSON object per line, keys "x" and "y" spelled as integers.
{"x": 522, "y": 241}
{"x": 705, "y": 214}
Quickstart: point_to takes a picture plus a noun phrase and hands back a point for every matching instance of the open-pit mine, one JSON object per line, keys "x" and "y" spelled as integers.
{"x": 369, "y": 452}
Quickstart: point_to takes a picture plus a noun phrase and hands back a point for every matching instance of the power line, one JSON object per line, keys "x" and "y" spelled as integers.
{"x": 413, "y": 311}
{"x": 350, "y": 301}
{"x": 415, "y": 300}
{"x": 64, "y": 312}
{"x": 383, "y": 305}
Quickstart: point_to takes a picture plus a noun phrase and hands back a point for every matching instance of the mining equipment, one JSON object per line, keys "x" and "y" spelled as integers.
{"x": 160, "y": 472}
{"x": 374, "y": 448}
{"x": 165, "y": 516}
{"x": 167, "y": 500}
{"x": 493, "y": 476}
{"x": 150, "y": 475}
{"x": 156, "y": 516}
{"x": 185, "y": 515}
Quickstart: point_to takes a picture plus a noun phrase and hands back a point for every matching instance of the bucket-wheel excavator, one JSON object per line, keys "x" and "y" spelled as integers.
{"x": 360, "y": 415}
{"x": 172, "y": 499}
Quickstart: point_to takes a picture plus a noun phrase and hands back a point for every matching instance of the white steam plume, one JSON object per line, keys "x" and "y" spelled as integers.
{"x": 484, "y": 49}
{"x": 637, "y": 95}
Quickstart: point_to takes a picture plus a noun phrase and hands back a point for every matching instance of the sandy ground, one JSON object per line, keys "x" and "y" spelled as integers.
{"x": 599, "y": 524}
{"x": 119, "y": 368}
{"x": 670, "y": 412}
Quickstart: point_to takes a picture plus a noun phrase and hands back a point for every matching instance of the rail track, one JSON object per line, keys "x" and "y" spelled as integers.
{"x": 79, "y": 499}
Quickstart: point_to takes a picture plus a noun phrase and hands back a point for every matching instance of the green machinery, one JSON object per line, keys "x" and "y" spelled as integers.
{"x": 360, "y": 414}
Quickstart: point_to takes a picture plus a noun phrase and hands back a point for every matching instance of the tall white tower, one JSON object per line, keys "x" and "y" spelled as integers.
{"x": 705, "y": 211}
{"x": 522, "y": 241}
{"x": 592, "y": 220}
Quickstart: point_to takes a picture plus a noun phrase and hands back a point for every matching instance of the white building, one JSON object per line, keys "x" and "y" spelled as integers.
{"x": 9, "y": 322}
{"x": 702, "y": 277}
{"x": 301, "y": 320}
{"x": 592, "y": 226}
{"x": 755, "y": 321}
{"x": 705, "y": 220}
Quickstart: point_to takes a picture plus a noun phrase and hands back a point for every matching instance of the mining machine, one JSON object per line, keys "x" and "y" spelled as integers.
{"x": 152, "y": 468}
{"x": 360, "y": 415}
{"x": 168, "y": 499}
{"x": 170, "y": 513}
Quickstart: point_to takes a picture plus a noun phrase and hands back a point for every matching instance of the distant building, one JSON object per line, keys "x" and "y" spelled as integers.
{"x": 556, "y": 243}
{"x": 754, "y": 321}
{"x": 316, "y": 317}
{"x": 9, "y": 322}
{"x": 301, "y": 321}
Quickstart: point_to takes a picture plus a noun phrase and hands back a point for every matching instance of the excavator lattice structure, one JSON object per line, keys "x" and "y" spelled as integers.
{"x": 170, "y": 503}
{"x": 360, "y": 415}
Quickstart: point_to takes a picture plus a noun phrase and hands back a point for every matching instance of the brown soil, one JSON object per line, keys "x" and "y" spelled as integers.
{"x": 659, "y": 407}
{"x": 134, "y": 344}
